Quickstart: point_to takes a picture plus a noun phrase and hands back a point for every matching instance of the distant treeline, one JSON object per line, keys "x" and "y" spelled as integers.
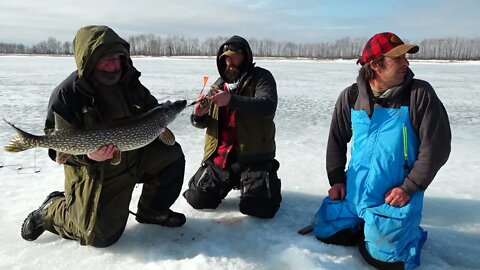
{"x": 345, "y": 48}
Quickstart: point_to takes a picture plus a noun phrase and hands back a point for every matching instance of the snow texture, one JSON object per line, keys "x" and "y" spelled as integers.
{"x": 225, "y": 238}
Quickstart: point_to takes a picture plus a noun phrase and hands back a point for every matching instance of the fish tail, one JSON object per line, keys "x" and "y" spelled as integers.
{"x": 21, "y": 142}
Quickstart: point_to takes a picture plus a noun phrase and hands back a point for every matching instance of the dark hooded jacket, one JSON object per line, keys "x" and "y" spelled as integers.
{"x": 77, "y": 98}
{"x": 428, "y": 117}
{"x": 255, "y": 103}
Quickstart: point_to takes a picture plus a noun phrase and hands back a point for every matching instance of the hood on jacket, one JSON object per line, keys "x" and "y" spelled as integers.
{"x": 247, "y": 54}
{"x": 93, "y": 42}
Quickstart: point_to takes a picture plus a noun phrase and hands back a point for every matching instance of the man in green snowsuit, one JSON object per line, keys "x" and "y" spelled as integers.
{"x": 94, "y": 208}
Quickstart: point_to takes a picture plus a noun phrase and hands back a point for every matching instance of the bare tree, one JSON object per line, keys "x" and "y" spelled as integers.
{"x": 347, "y": 48}
{"x": 12, "y": 48}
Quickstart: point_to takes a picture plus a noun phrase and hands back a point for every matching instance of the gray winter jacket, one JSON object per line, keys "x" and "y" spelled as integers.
{"x": 428, "y": 118}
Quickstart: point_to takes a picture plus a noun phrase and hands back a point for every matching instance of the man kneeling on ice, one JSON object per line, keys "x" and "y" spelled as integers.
{"x": 400, "y": 139}
{"x": 94, "y": 208}
{"x": 240, "y": 136}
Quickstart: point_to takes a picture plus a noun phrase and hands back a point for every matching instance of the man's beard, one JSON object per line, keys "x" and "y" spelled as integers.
{"x": 231, "y": 73}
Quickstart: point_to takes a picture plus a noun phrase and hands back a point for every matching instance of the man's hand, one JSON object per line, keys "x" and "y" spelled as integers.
{"x": 103, "y": 153}
{"x": 221, "y": 98}
{"x": 397, "y": 197}
{"x": 198, "y": 110}
{"x": 337, "y": 192}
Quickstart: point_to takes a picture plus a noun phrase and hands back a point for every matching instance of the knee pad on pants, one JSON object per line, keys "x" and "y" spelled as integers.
{"x": 207, "y": 188}
{"x": 199, "y": 199}
{"x": 260, "y": 193}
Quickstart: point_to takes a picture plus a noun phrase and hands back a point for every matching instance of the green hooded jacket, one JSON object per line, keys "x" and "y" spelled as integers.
{"x": 75, "y": 99}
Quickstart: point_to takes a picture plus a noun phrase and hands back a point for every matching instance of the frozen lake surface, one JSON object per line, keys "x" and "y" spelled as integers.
{"x": 225, "y": 238}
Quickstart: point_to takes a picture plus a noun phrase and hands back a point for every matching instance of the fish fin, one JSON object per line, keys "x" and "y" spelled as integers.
{"x": 117, "y": 158}
{"x": 167, "y": 137}
{"x": 19, "y": 142}
{"x": 62, "y": 158}
{"x": 61, "y": 123}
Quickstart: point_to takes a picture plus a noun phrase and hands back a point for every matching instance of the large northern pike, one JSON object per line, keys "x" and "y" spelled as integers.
{"x": 127, "y": 135}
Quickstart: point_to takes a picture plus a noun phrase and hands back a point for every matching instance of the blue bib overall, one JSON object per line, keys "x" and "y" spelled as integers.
{"x": 384, "y": 149}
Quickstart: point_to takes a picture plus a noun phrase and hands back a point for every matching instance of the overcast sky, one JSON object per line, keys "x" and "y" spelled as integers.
{"x": 31, "y": 21}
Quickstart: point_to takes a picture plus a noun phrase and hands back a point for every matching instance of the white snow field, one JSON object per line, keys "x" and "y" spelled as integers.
{"x": 225, "y": 238}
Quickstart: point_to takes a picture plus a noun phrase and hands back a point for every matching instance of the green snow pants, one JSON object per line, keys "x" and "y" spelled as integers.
{"x": 95, "y": 208}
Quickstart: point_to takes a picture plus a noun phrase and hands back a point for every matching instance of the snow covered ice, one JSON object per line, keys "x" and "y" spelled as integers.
{"x": 225, "y": 238}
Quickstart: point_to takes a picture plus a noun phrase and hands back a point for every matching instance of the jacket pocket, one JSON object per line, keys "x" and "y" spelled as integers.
{"x": 333, "y": 216}
{"x": 332, "y": 209}
{"x": 388, "y": 228}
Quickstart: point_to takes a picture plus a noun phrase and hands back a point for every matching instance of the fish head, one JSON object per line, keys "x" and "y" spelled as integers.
{"x": 169, "y": 110}
{"x": 179, "y": 105}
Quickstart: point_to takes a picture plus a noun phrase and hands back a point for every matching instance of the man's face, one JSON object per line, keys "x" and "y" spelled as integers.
{"x": 233, "y": 64}
{"x": 110, "y": 64}
{"x": 108, "y": 70}
{"x": 393, "y": 71}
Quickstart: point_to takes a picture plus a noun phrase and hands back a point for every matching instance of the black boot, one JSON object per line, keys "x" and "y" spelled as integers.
{"x": 345, "y": 237}
{"x": 376, "y": 263}
{"x": 167, "y": 218}
{"x": 33, "y": 225}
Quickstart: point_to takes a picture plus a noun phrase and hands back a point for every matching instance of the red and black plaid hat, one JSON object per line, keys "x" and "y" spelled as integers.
{"x": 386, "y": 44}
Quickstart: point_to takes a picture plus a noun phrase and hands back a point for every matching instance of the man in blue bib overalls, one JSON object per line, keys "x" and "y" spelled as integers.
{"x": 400, "y": 137}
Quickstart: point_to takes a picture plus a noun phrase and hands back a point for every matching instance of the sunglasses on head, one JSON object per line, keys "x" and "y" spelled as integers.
{"x": 231, "y": 47}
